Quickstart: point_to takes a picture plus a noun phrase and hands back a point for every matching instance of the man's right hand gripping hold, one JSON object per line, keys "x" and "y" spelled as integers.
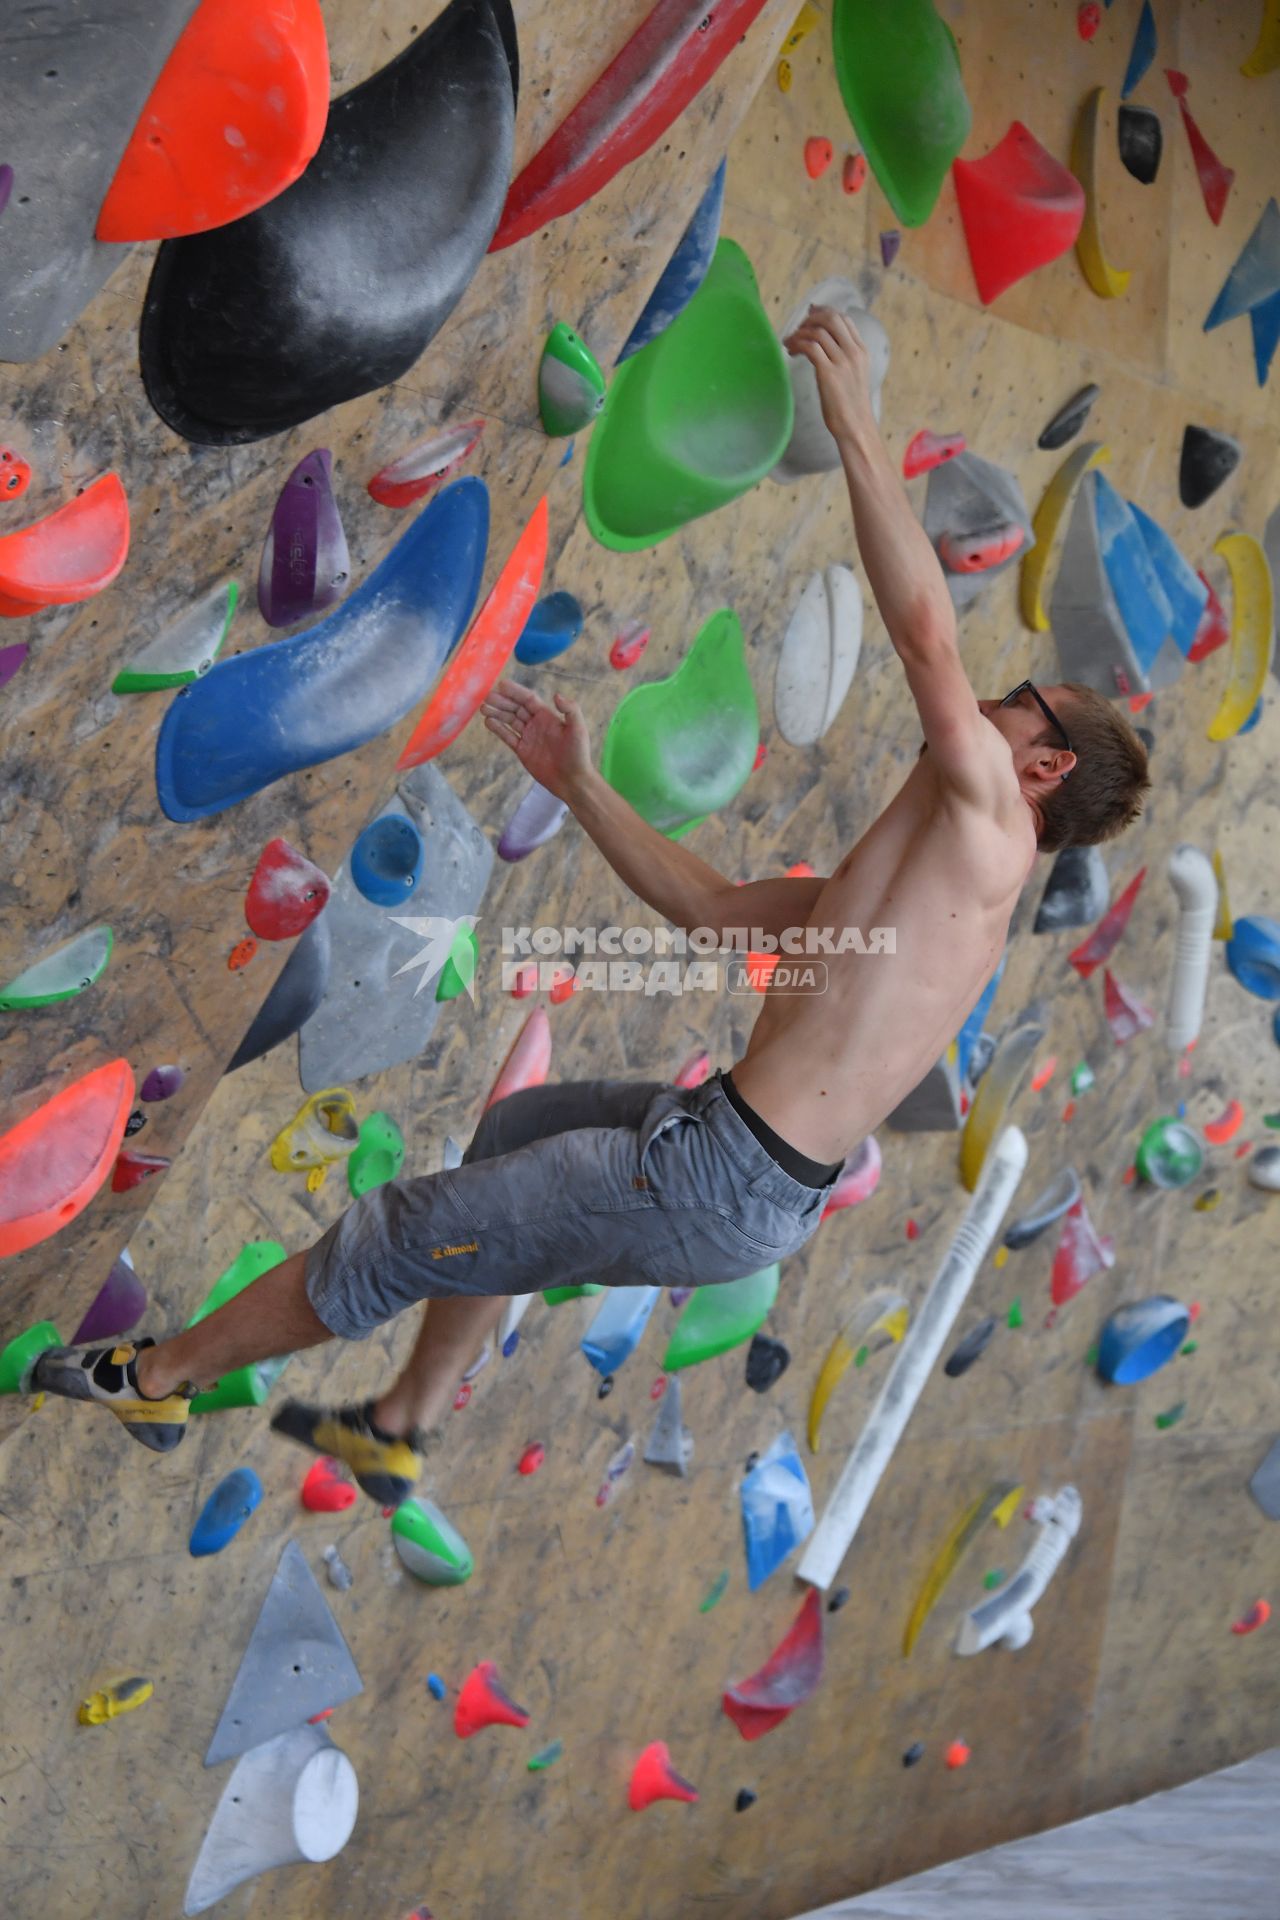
{"x": 627, "y": 1182}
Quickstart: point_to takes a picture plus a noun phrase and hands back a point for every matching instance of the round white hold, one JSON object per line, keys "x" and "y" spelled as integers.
{"x": 326, "y": 1799}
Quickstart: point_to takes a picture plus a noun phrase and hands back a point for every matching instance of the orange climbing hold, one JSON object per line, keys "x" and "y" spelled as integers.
{"x": 654, "y": 1778}
{"x": 242, "y": 953}
{"x": 53, "y": 1162}
{"x": 927, "y": 450}
{"x": 469, "y": 676}
{"x": 1227, "y": 1125}
{"x": 818, "y": 155}
{"x": 1020, "y": 208}
{"x": 69, "y": 555}
{"x": 234, "y": 118}
{"x": 981, "y": 552}
{"x": 15, "y": 474}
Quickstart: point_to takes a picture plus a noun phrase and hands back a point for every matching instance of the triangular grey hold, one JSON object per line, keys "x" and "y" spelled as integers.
{"x": 1092, "y": 639}
{"x": 296, "y": 1664}
{"x": 1068, "y": 420}
{"x": 1265, "y": 1484}
{"x": 671, "y": 1443}
{"x": 1208, "y": 458}
{"x": 934, "y": 1105}
{"x": 291, "y": 1800}
{"x": 372, "y": 1015}
{"x": 297, "y": 993}
{"x": 1076, "y": 893}
{"x": 968, "y": 497}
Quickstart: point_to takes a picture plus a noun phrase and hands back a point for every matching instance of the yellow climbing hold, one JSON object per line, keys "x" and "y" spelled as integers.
{"x": 784, "y": 76}
{"x": 110, "y": 1701}
{"x": 1107, "y": 281}
{"x": 1224, "y": 926}
{"x": 996, "y": 1090}
{"x": 1265, "y": 57}
{"x": 1046, "y": 524}
{"x": 1002, "y": 1255}
{"x": 804, "y": 23}
{"x": 1253, "y": 634}
{"x": 324, "y": 1129}
{"x": 878, "y": 1321}
{"x": 998, "y": 1503}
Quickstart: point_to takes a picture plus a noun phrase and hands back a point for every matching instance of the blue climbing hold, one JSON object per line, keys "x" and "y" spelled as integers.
{"x": 972, "y": 1027}
{"x": 295, "y": 703}
{"x": 1183, "y": 588}
{"x": 777, "y": 1509}
{"x": 225, "y": 1511}
{"x": 1139, "y": 1338}
{"x": 684, "y": 272}
{"x": 1143, "y": 51}
{"x": 386, "y": 860}
{"x": 551, "y": 629}
{"x": 614, "y": 1334}
{"x": 511, "y": 1342}
{"x": 436, "y": 1687}
{"x": 567, "y": 455}
{"x": 1265, "y": 320}
{"x": 1134, "y": 581}
{"x": 1253, "y": 719}
{"x": 1253, "y": 955}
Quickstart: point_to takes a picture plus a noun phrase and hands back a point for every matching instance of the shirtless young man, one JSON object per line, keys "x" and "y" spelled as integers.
{"x": 627, "y": 1183}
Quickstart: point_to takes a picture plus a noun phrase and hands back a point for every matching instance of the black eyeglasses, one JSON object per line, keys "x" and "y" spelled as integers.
{"x": 1025, "y": 686}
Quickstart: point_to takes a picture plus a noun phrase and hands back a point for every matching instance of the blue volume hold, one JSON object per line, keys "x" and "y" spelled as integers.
{"x": 386, "y": 860}
{"x": 551, "y": 628}
{"x": 1183, "y": 588}
{"x": 1147, "y": 615}
{"x": 614, "y": 1334}
{"x": 1143, "y": 51}
{"x": 684, "y": 272}
{"x": 225, "y": 1511}
{"x": 298, "y": 702}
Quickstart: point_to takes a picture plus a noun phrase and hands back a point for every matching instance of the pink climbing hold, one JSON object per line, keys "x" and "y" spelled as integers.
{"x": 788, "y": 1678}
{"x": 1020, "y": 209}
{"x": 631, "y": 642}
{"x": 1215, "y": 179}
{"x": 927, "y": 450}
{"x": 529, "y": 1060}
{"x": 1082, "y": 1251}
{"x": 1257, "y": 1616}
{"x": 1104, "y": 939}
{"x": 1088, "y": 19}
{"x": 853, "y": 174}
{"x": 484, "y": 1702}
{"x": 695, "y": 1069}
{"x": 286, "y": 892}
{"x": 654, "y": 1778}
{"x": 1126, "y": 1014}
{"x": 818, "y": 155}
{"x": 1214, "y": 629}
{"x": 981, "y": 552}
{"x": 858, "y": 1179}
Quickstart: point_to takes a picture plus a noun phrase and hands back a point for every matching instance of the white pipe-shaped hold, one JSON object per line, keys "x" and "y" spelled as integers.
{"x": 1006, "y": 1616}
{"x": 289, "y": 1800}
{"x": 1194, "y": 882}
{"x": 915, "y": 1361}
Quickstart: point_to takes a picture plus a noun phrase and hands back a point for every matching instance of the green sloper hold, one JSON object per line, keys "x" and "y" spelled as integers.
{"x": 694, "y": 419}
{"x": 246, "y": 1386}
{"x": 459, "y": 970}
{"x": 185, "y": 649}
{"x": 719, "y": 1317}
{"x": 570, "y": 384}
{"x": 899, "y": 76}
{"x": 19, "y": 1355}
{"x": 63, "y": 973}
{"x": 378, "y": 1155}
{"x": 679, "y": 748}
{"x": 429, "y": 1545}
{"x": 556, "y": 1296}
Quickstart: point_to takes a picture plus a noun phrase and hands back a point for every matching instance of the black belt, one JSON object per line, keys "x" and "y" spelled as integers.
{"x": 810, "y": 1173}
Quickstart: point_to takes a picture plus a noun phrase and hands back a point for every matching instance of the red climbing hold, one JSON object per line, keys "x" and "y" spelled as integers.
{"x": 565, "y": 983}
{"x": 1126, "y": 1014}
{"x": 324, "y": 1490}
{"x": 1102, "y": 942}
{"x": 1214, "y": 629}
{"x": 654, "y": 1778}
{"x": 958, "y": 1754}
{"x": 525, "y": 981}
{"x": 1257, "y": 1616}
{"x": 1020, "y": 207}
{"x": 234, "y": 118}
{"x": 484, "y": 1702}
{"x": 1227, "y": 1125}
{"x": 1081, "y": 1252}
{"x": 15, "y": 474}
{"x": 913, "y": 1230}
{"x": 858, "y": 1178}
{"x": 131, "y": 1169}
{"x": 818, "y": 155}
{"x": 981, "y": 552}
{"x": 532, "y": 1458}
{"x": 762, "y": 754}
{"x": 286, "y": 892}
{"x": 1215, "y": 179}
{"x": 854, "y": 172}
{"x": 787, "y": 1679}
{"x": 53, "y": 1162}
{"x": 1088, "y": 19}
{"x": 69, "y": 555}
{"x": 629, "y": 645}
{"x": 927, "y": 450}
{"x": 695, "y": 1069}
{"x": 462, "y": 1396}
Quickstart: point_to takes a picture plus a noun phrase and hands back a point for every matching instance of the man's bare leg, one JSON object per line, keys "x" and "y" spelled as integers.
{"x": 273, "y": 1316}
{"x": 451, "y": 1335}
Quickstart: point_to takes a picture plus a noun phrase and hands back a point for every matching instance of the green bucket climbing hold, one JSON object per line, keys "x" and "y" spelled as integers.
{"x": 570, "y": 384}
{"x": 379, "y": 1154}
{"x": 245, "y": 1386}
{"x": 899, "y": 77}
{"x": 21, "y": 1353}
{"x": 1169, "y": 1153}
{"x": 459, "y": 970}
{"x": 430, "y": 1546}
{"x": 719, "y": 1317}
{"x": 694, "y": 419}
{"x": 680, "y": 748}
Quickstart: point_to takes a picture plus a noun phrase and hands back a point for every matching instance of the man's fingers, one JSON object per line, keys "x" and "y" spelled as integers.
{"x": 511, "y": 694}
{"x": 504, "y": 732}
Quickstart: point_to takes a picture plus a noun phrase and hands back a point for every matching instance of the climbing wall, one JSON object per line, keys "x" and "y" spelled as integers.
{"x": 594, "y": 1612}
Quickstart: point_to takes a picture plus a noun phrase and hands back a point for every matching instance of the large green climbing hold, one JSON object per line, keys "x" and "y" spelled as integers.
{"x": 430, "y": 1546}
{"x": 680, "y": 748}
{"x": 66, "y": 971}
{"x": 694, "y": 419}
{"x": 22, "y": 1352}
{"x": 721, "y": 1316}
{"x": 244, "y": 1386}
{"x": 378, "y": 1156}
{"x": 570, "y": 384}
{"x": 556, "y": 1296}
{"x": 899, "y": 76}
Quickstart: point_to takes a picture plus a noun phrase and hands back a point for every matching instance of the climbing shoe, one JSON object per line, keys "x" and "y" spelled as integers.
{"x": 384, "y": 1464}
{"x": 109, "y": 1377}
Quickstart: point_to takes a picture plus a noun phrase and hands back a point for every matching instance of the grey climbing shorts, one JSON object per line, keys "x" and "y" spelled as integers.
{"x": 620, "y": 1182}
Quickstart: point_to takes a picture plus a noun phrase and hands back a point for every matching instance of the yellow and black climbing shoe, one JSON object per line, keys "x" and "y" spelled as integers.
{"x": 384, "y": 1464}
{"x": 109, "y": 1377}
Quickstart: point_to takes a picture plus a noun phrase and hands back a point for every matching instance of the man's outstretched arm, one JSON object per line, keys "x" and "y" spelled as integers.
{"x": 551, "y": 743}
{"x": 900, "y": 563}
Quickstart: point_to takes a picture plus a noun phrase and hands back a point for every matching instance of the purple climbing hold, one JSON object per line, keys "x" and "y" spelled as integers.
{"x": 890, "y": 241}
{"x": 305, "y": 563}
{"x": 11, "y": 658}
{"x": 162, "y": 1083}
{"x": 537, "y": 819}
{"x": 6, "y": 186}
{"x": 120, "y": 1303}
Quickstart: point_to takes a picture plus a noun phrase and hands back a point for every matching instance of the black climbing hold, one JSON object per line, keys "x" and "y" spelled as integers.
{"x": 752, "y": 1459}
{"x": 970, "y": 1349}
{"x": 1141, "y": 142}
{"x": 135, "y": 1123}
{"x": 767, "y": 1361}
{"x": 293, "y": 999}
{"x": 838, "y": 1599}
{"x": 335, "y": 287}
{"x": 1076, "y": 892}
{"x": 1067, "y": 421}
{"x": 913, "y": 1753}
{"x": 1207, "y": 460}
{"x": 605, "y": 1388}
{"x": 747, "y": 1797}
{"x": 1147, "y": 738}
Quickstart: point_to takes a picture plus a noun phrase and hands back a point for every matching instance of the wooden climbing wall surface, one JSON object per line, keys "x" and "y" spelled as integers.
{"x": 1133, "y": 1680}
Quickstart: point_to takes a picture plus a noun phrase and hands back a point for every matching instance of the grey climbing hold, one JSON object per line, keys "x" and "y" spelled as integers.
{"x": 296, "y": 1664}
{"x": 670, "y": 1444}
{"x": 1068, "y": 420}
{"x": 1058, "y": 1198}
{"x": 1089, "y": 629}
{"x": 293, "y": 1799}
{"x": 1141, "y": 142}
{"x": 934, "y": 1105}
{"x": 1265, "y": 1484}
{"x": 811, "y": 448}
{"x": 971, "y": 501}
{"x": 336, "y": 1569}
{"x": 1076, "y": 892}
{"x": 1208, "y": 458}
{"x": 295, "y": 996}
{"x": 380, "y": 1007}
{"x": 971, "y": 1348}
